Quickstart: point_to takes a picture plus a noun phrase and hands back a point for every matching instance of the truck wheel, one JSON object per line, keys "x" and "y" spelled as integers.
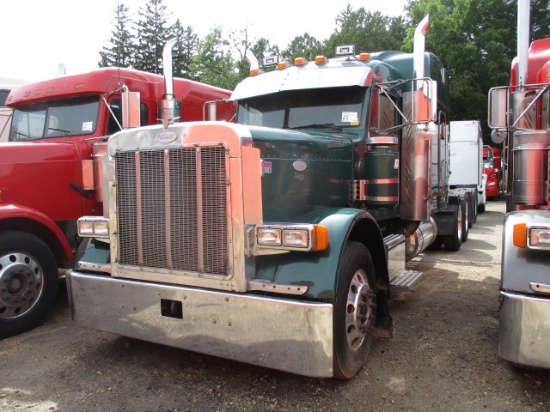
{"x": 454, "y": 241}
{"x": 28, "y": 282}
{"x": 473, "y": 218}
{"x": 465, "y": 221}
{"x": 354, "y": 311}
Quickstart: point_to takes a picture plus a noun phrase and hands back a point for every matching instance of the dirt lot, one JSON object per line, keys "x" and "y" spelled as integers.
{"x": 442, "y": 357}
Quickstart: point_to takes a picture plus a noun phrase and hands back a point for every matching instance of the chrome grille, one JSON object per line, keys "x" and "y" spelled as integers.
{"x": 172, "y": 209}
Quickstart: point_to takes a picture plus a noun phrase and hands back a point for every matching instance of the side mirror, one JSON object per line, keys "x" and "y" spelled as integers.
{"x": 498, "y": 108}
{"x": 425, "y": 101}
{"x": 130, "y": 109}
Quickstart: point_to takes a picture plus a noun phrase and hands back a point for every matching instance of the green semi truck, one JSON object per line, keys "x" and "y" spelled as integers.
{"x": 276, "y": 240}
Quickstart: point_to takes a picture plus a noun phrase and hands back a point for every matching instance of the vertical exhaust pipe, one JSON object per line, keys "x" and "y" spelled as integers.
{"x": 420, "y": 45}
{"x": 169, "y": 108}
{"x": 523, "y": 41}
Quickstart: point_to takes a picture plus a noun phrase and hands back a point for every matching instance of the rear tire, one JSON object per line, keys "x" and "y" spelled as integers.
{"x": 454, "y": 241}
{"x": 28, "y": 280}
{"x": 465, "y": 221}
{"x": 354, "y": 311}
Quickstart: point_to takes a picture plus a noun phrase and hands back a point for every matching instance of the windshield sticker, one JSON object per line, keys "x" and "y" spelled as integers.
{"x": 350, "y": 117}
{"x": 266, "y": 167}
{"x": 87, "y": 126}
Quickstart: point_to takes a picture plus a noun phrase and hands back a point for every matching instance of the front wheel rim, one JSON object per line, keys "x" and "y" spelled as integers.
{"x": 360, "y": 310}
{"x": 21, "y": 284}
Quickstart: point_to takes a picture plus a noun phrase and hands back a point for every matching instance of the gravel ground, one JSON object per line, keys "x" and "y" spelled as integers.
{"x": 442, "y": 357}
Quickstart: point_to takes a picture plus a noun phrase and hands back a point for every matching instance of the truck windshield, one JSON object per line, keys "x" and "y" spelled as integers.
{"x": 68, "y": 117}
{"x": 330, "y": 107}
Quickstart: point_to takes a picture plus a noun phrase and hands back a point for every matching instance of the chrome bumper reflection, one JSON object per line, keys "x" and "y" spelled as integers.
{"x": 524, "y": 330}
{"x": 288, "y": 335}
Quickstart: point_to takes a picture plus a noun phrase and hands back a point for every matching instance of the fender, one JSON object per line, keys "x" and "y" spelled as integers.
{"x": 39, "y": 224}
{"x": 320, "y": 270}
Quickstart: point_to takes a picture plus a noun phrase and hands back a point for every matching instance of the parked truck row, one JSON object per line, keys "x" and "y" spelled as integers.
{"x": 272, "y": 234}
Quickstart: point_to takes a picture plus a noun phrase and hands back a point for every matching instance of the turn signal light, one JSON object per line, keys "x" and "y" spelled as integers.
{"x": 520, "y": 235}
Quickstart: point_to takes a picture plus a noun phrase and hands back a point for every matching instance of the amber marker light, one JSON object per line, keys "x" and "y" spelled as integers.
{"x": 320, "y": 59}
{"x": 298, "y": 61}
{"x": 319, "y": 238}
{"x": 282, "y": 65}
{"x": 520, "y": 235}
{"x": 364, "y": 56}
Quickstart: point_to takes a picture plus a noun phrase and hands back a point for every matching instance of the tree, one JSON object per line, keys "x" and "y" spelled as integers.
{"x": 152, "y": 35}
{"x": 368, "y": 31}
{"x": 213, "y": 63}
{"x": 185, "y": 49}
{"x": 474, "y": 40}
{"x": 120, "y": 52}
{"x": 303, "y": 46}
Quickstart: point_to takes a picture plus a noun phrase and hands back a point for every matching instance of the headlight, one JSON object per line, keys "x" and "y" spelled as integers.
{"x": 531, "y": 236}
{"x": 93, "y": 226}
{"x": 298, "y": 237}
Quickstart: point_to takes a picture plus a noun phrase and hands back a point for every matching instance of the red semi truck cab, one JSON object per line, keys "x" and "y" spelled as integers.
{"x": 491, "y": 168}
{"x": 49, "y": 171}
{"x": 518, "y": 113}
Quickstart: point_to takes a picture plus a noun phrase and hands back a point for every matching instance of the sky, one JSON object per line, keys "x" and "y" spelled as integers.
{"x": 39, "y": 36}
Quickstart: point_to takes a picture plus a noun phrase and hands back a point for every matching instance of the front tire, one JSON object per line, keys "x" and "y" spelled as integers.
{"x": 354, "y": 311}
{"x": 28, "y": 282}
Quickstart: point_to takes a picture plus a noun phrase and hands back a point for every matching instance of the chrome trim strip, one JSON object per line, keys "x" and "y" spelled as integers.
{"x": 279, "y": 288}
{"x": 167, "y": 193}
{"x": 94, "y": 267}
{"x": 290, "y": 335}
{"x": 200, "y": 238}
{"x": 139, "y": 228}
{"x": 540, "y": 288}
{"x": 381, "y": 181}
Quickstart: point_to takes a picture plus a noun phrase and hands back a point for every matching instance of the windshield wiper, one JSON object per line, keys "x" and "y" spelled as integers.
{"x": 59, "y": 130}
{"x": 319, "y": 126}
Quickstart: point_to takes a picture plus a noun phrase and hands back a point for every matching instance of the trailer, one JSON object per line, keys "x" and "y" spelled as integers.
{"x": 466, "y": 164}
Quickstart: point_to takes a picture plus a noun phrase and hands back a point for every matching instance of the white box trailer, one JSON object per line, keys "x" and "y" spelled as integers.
{"x": 466, "y": 164}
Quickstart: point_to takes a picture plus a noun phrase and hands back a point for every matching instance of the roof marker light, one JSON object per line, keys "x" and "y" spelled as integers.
{"x": 298, "y": 61}
{"x": 282, "y": 65}
{"x": 320, "y": 59}
{"x": 364, "y": 56}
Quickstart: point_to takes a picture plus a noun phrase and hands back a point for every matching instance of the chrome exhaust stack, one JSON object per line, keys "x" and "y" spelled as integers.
{"x": 169, "y": 108}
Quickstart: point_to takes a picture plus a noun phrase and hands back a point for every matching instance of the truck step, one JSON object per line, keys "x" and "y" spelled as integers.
{"x": 403, "y": 280}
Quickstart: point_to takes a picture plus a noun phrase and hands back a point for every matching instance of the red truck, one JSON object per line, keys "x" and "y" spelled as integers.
{"x": 492, "y": 169}
{"x": 518, "y": 113}
{"x": 49, "y": 171}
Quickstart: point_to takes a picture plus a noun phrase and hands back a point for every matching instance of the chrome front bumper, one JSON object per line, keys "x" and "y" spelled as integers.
{"x": 524, "y": 330}
{"x": 288, "y": 335}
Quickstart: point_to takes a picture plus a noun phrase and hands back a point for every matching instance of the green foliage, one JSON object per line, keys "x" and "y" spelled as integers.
{"x": 368, "y": 31}
{"x": 213, "y": 64}
{"x": 184, "y": 50}
{"x": 152, "y": 35}
{"x": 303, "y": 46}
